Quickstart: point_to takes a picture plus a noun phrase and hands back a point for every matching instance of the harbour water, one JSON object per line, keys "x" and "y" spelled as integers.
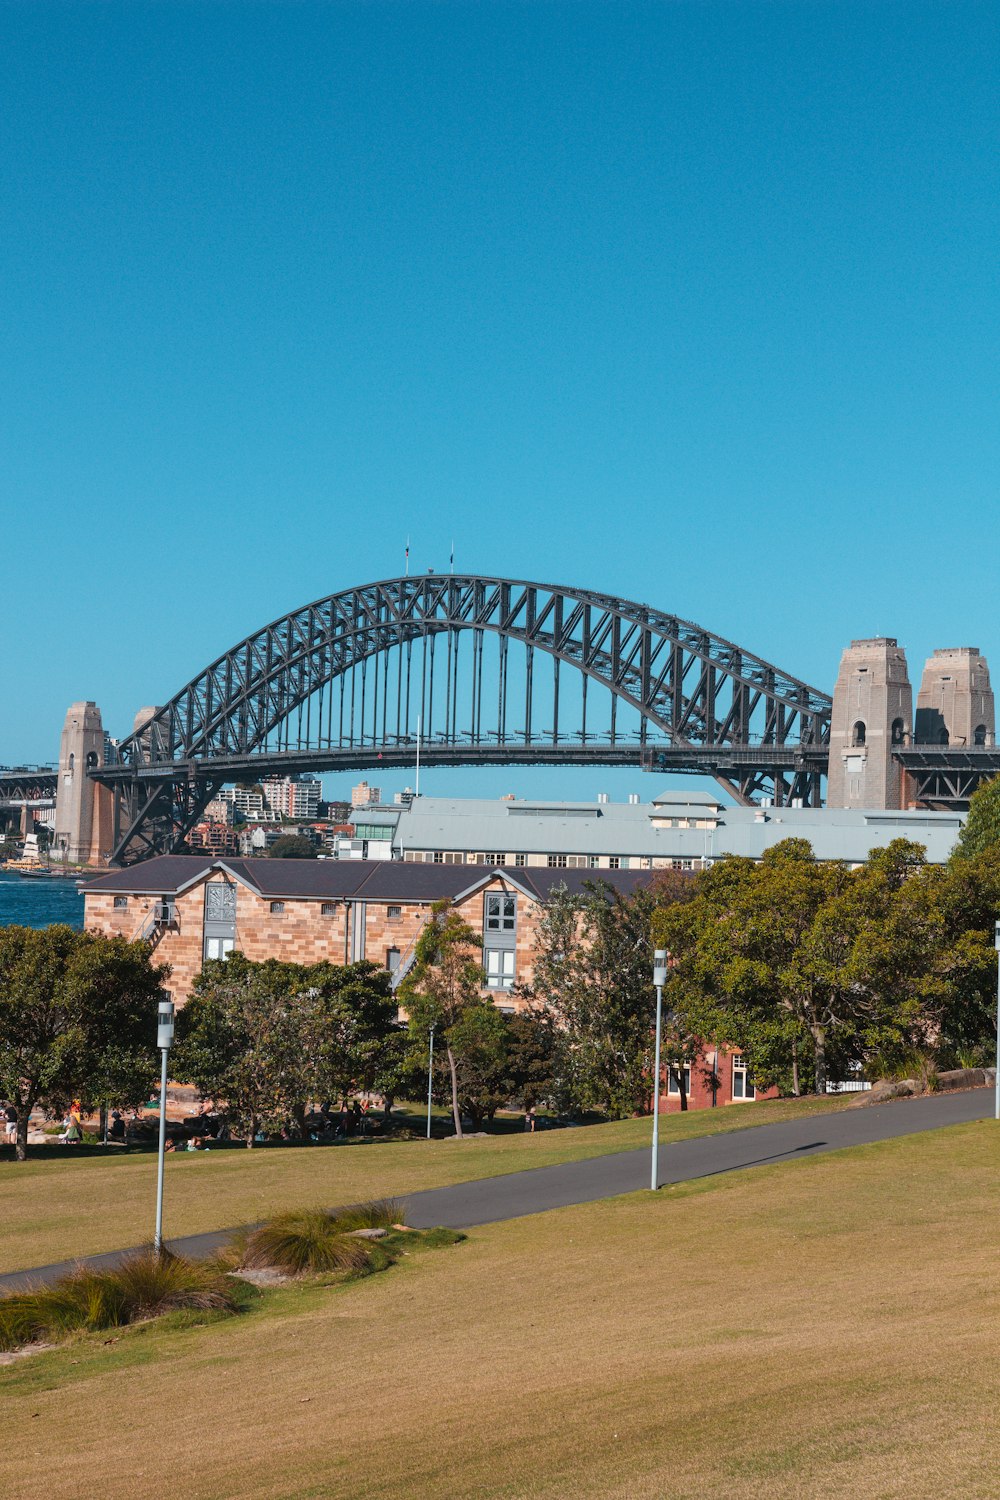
{"x": 37, "y": 902}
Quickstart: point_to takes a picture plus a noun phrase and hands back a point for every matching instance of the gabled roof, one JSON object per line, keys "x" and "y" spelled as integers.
{"x": 378, "y": 880}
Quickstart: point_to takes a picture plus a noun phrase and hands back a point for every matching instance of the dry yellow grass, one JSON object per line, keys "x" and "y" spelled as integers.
{"x": 56, "y": 1208}
{"x": 821, "y": 1329}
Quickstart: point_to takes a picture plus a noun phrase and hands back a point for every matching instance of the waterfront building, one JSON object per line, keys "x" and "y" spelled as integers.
{"x": 195, "y": 908}
{"x": 679, "y": 830}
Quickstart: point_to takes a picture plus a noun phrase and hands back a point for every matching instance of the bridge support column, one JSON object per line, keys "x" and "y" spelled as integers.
{"x": 83, "y": 809}
{"x": 872, "y": 713}
{"x": 955, "y": 702}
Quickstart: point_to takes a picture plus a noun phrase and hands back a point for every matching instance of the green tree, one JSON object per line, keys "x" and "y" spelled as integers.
{"x": 444, "y": 983}
{"x": 292, "y": 846}
{"x": 790, "y": 956}
{"x": 981, "y": 829}
{"x": 594, "y": 974}
{"x": 77, "y": 1017}
{"x": 968, "y": 892}
{"x": 268, "y": 1037}
{"x": 531, "y": 1058}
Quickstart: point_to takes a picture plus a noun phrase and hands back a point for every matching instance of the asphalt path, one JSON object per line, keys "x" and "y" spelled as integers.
{"x": 490, "y": 1199}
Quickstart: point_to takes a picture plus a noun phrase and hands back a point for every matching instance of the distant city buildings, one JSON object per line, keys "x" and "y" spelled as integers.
{"x": 289, "y": 797}
{"x": 364, "y": 795}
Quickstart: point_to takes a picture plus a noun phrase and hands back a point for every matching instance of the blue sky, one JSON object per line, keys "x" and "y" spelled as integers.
{"x": 692, "y": 303}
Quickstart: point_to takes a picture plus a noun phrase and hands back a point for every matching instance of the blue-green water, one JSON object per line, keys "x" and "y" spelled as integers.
{"x": 37, "y": 902}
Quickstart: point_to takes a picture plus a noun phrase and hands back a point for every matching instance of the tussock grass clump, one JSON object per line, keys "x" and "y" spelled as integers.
{"x": 146, "y": 1285}
{"x": 313, "y": 1240}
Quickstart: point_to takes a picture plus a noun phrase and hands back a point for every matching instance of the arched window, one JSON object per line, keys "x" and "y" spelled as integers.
{"x": 72, "y": 760}
{"x": 979, "y": 735}
{"x": 91, "y": 760}
{"x": 897, "y": 731}
{"x": 859, "y": 733}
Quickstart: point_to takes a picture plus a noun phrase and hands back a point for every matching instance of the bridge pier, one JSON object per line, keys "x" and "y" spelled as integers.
{"x": 83, "y": 827}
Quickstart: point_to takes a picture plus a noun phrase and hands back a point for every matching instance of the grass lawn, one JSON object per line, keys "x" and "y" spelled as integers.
{"x": 817, "y": 1329}
{"x": 60, "y": 1205}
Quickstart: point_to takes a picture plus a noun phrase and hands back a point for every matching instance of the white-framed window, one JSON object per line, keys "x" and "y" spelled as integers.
{"x": 557, "y": 861}
{"x": 742, "y": 1086}
{"x": 520, "y": 860}
{"x": 674, "y": 1081}
{"x": 614, "y": 862}
{"x": 500, "y": 914}
{"x": 499, "y": 966}
{"x": 218, "y": 947}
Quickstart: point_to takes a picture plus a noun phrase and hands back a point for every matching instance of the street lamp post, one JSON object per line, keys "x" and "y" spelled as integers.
{"x": 659, "y": 980}
{"x": 430, "y": 1083}
{"x": 164, "y": 1038}
{"x": 996, "y": 943}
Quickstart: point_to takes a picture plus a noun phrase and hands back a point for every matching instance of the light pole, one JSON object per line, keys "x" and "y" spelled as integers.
{"x": 164, "y": 1038}
{"x": 996, "y": 944}
{"x": 430, "y": 1082}
{"x": 659, "y": 980}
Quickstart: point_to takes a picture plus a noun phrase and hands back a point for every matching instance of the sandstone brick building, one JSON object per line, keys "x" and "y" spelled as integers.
{"x": 197, "y": 907}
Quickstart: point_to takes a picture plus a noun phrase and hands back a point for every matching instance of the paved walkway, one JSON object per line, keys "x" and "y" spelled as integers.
{"x": 489, "y": 1199}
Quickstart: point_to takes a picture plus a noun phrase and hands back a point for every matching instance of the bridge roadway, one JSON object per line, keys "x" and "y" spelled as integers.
{"x": 490, "y": 1200}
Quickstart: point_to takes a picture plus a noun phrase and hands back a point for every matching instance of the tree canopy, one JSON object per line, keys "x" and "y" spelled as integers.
{"x": 268, "y": 1037}
{"x": 77, "y": 1019}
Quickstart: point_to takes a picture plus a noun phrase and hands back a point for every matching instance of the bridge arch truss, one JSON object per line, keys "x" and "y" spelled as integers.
{"x": 483, "y": 671}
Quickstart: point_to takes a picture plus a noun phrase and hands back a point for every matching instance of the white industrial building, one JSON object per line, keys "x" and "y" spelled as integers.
{"x": 678, "y": 830}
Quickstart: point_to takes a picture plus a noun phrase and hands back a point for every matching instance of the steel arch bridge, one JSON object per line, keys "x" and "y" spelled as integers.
{"x": 468, "y": 670}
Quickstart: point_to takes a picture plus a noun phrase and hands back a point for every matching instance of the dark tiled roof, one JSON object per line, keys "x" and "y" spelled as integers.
{"x": 159, "y": 876}
{"x": 364, "y": 879}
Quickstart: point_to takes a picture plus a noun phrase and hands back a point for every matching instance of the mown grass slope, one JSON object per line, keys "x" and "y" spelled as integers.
{"x": 822, "y": 1328}
{"x": 62, "y": 1206}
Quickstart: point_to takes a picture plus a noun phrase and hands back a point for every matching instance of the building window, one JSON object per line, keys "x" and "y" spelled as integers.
{"x": 859, "y": 733}
{"x": 328, "y": 909}
{"x": 594, "y": 861}
{"x": 897, "y": 731}
{"x": 614, "y": 863}
{"x": 495, "y": 859}
{"x": 277, "y": 908}
{"x": 557, "y": 861}
{"x": 218, "y": 947}
{"x": 499, "y": 966}
{"x": 392, "y": 959}
{"x": 393, "y": 913}
{"x": 520, "y": 860}
{"x": 979, "y": 737}
{"x": 120, "y": 903}
{"x": 500, "y": 914}
{"x": 438, "y": 857}
{"x": 674, "y": 1082}
{"x": 742, "y": 1087}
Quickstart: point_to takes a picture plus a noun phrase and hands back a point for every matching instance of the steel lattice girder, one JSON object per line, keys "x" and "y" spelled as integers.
{"x": 672, "y": 672}
{"x": 691, "y": 689}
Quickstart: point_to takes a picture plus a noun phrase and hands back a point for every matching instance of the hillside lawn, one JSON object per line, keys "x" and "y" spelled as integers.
{"x": 821, "y": 1328}
{"x": 61, "y": 1204}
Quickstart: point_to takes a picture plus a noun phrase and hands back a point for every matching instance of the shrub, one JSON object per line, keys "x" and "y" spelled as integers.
{"x": 314, "y": 1240}
{"x": 146, "y": 1285}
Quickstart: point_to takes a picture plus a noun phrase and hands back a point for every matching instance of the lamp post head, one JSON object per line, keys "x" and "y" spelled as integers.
{"x": 660, "y": 967}
{"x": 165, "y": 1023}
